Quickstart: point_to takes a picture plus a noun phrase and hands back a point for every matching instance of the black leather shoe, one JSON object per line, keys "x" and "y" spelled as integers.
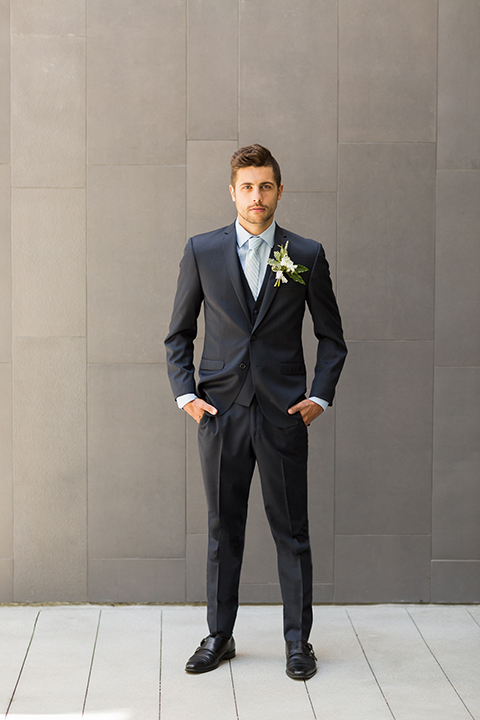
{"x": 301, "y": 660}
{"x": 213, "y": 649}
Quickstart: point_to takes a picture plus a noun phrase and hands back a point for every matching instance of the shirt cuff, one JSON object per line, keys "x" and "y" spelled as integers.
{"x": 323, "y": 403}
{"x": 182, "y": 400}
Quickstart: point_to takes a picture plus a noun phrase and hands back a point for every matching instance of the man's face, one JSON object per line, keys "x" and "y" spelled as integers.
{"x": 255, "y": 196}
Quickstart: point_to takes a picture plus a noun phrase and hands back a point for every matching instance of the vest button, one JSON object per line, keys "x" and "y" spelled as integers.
{"x": 242, "y": 366}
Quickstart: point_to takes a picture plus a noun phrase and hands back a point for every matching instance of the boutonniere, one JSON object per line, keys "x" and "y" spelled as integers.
{"x": 283, "y": 265}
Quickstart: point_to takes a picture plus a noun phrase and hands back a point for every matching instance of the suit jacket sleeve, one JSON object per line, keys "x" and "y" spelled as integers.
{"x": 327, "y": 325}
{"x": 183, "y": 326}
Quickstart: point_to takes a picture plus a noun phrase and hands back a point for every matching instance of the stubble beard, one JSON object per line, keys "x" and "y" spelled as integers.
{"x": 261, "y": 219}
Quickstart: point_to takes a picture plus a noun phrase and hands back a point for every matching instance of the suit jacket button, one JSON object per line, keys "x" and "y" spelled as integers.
{"x": 253, "y": 337}
{"x": 242, "y": 366}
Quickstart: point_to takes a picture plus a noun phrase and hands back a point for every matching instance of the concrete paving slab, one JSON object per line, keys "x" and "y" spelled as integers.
{"x": 208, "y": 696}
{"x": 116, "y": 715}
{"x": 345, "y": 687}
{"x": 421, "y": 660}
{"x": 474, "y": 611}
{"x": 262, "y": 689}
{"x": 126, "y": 666}
{"x": 453, "y": 637}
{"x": 412, "y": 682}
{"x": 16, "y": 629}
{"x": 54, "y": 678}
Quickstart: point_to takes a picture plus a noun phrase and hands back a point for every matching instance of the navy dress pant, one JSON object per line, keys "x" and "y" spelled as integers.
{"x": 230, "y": 445}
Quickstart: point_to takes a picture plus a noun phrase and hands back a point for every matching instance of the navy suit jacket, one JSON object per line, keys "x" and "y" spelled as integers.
{"x": 271, "y": 347}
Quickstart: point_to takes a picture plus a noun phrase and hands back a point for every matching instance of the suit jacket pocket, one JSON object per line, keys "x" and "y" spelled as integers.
{"x": 206, "y": 364}
{"x": 293, "y": 368}
{"x": 291, "y": 286}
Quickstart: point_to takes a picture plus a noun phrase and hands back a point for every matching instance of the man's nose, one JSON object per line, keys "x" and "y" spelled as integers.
{"x": 256, "y": 195}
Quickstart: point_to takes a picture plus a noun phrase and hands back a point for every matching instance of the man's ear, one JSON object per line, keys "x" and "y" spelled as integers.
{"x": 232, "y": 192}
{"x": 280, "y": 191}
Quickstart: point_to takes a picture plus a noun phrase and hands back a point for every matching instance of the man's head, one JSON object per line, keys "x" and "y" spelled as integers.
{"x": 254, "y": 156}
{"x": 256, "y": 187}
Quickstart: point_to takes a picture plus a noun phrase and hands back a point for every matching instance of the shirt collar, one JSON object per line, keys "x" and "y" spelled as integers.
{"x": 243, "y": 235}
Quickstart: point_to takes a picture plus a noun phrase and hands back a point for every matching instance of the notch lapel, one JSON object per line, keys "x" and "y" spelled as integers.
{"x": 233, "y": 266}
{"x": 270, "y": 289}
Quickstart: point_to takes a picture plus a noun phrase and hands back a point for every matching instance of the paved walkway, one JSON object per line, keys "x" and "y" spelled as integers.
{"x": 407, "y": 662}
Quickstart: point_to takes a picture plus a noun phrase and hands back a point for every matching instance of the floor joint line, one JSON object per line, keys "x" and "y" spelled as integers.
{"x": 160, "y": 668}
{"x": 473, "y": 617}
{"x": 233, "y": 689}
{"x": 23, "y": 663}
{"x": 438, "y": 663}
{"x": 310, "y": 699}
{"x": 369, "y": 664}
{"x": 91, "y": 664}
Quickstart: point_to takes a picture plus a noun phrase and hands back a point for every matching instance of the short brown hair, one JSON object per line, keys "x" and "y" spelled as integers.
{"x": 254, "y": 156}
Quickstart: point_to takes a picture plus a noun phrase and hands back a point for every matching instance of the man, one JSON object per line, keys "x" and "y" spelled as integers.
{"x": 254, "y": 280}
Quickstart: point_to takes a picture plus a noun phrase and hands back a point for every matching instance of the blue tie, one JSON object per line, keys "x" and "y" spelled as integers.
{"x": 252, "y": 263}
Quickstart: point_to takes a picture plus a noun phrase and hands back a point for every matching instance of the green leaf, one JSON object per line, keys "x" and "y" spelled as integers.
{"x": 297, "y": 278}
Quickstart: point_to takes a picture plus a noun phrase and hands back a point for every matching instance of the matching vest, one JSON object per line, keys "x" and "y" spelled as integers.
{"x": 247, "y": 393}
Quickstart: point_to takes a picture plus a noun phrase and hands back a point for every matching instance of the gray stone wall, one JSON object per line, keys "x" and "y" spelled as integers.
{"x": 117, "y": 121}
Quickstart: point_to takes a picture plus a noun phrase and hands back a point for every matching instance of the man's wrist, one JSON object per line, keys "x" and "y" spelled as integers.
{"x": 323, "y": 403}
{"x": 182, "y": 400}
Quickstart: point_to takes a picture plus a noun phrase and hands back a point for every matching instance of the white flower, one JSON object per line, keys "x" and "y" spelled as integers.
{"x": 284, "y": 264}
{"x": 288, "y": 265}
